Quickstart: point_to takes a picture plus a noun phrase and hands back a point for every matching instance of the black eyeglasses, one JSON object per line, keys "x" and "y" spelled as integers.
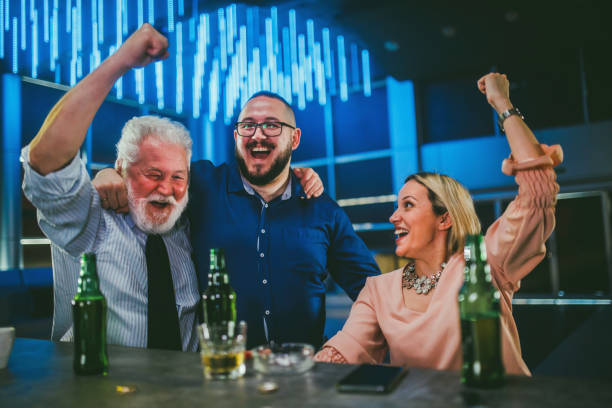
{"x": 269, "y": 129}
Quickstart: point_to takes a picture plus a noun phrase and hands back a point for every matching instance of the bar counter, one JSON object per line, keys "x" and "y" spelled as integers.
{"x": 39, "y": 374}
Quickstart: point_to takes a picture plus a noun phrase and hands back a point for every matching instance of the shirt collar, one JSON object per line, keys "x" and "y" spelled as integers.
{"x": 296, "y": 186}
{"x": 284, "y": 196}
{"x": 236, "y": 183}
{"x": 131, "y": 223}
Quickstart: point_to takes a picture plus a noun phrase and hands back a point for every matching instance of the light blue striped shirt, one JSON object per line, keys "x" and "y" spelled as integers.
{"x": 70, "y": 215}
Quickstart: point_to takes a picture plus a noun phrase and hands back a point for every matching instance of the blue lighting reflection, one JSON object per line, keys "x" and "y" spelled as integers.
{"x": 218, "y": 58}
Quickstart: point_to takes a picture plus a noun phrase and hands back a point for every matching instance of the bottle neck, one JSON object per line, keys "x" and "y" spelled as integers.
{"x": 218, "y": 278}
{"x": 477, "y": 272}
{"x": 218, "y": 274}
{"x": 88, "y": 284}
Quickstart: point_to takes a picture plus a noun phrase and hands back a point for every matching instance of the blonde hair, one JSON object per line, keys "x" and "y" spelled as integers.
{"x": 448, "y": 195}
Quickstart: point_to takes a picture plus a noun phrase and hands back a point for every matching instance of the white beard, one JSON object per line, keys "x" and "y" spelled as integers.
{"x": 154, "y": 224}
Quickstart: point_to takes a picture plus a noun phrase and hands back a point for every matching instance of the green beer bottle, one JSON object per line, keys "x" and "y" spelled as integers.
{"x": 219, "y": 297}
{"x": 480, "y": 324}
{"x": 89, "y": 321}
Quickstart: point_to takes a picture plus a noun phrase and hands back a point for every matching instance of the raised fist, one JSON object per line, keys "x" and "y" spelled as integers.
{"x": 497, "y": 89}
{"x": 144, "y": 46}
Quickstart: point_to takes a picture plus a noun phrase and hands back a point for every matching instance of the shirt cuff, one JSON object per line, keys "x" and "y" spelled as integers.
{"x": 329, "y": 354}
{"x": 61, "y": 181}
{"x": 352, "y": 351}
{"x": 553, "y": 155}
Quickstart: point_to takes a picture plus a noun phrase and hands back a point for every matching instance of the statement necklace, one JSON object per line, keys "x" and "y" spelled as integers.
{"x": 422, "y": 285}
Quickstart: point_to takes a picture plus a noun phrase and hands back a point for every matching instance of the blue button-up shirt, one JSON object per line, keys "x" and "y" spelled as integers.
{"x": 278, "y": 253}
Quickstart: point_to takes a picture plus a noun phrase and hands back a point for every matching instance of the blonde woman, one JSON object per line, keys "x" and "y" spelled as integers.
{"x": 417, "y": 323}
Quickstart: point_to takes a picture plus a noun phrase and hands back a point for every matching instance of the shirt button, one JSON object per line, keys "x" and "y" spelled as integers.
{"x": 264, "y": 281}
{"x": 263, "y": 230}
{"x": 261, "y": 255}
{"x": 267, "y": 312}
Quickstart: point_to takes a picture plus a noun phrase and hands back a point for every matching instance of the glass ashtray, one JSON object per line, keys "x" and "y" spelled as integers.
{"x": 286, "y": 358}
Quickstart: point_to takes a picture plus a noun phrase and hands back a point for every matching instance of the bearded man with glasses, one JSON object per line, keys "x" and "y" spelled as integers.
{"x": 280, "y": 247}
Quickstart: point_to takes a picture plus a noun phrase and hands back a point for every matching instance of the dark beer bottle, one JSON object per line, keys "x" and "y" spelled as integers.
{"x": 219, "y": 298}
{"x": 89, "y": 320}
{"x": 480, "y": 324}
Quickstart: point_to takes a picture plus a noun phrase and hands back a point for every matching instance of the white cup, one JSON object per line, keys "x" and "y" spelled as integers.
{"x": 7, "y": 336}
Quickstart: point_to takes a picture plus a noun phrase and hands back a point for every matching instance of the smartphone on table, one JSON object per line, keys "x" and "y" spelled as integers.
{"x": 372, "y": 379}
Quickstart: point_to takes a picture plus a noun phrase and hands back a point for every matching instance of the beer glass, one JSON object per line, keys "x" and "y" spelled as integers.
{"x": 222, "y": 349}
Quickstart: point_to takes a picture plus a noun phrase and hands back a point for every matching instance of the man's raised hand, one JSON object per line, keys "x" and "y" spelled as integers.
{"x": 144, "y": 46}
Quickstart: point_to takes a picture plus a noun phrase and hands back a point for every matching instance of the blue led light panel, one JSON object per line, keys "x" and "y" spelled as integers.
{"x": 226, "y": 55}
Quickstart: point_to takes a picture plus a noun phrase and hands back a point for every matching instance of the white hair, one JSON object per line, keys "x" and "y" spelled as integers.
{"x": 138, "y": 128}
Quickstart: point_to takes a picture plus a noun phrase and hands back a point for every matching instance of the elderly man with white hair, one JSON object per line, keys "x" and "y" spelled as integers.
{"x": 153, "y": 155}
{"x": 144, "y": 257}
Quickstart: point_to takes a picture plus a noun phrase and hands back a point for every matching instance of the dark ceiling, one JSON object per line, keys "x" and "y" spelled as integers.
{"x": 439, "y": 40}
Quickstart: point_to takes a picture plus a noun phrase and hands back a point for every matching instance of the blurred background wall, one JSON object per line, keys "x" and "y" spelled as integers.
{"x": 380, "y": 89}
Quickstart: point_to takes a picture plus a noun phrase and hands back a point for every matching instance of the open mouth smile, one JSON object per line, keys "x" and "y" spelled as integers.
{"x": 260, "y": 152}
{"x": 159, "y": 204}
{"x": 400, "y": 233}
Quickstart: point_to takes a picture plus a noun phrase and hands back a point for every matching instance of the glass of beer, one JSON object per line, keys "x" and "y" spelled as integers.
{"x": 222, "y": 349}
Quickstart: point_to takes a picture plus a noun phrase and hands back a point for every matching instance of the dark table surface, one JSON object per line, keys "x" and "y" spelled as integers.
{"x": 40, "y": 374}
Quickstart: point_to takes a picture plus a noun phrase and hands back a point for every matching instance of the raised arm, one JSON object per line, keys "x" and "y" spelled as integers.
{"x": 64, "y": 129}
{"x": 523, "y": 144}
{"x": 515, "y": 242}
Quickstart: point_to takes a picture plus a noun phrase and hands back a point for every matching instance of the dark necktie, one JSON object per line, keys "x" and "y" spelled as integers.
{"x": 162, "y": 321}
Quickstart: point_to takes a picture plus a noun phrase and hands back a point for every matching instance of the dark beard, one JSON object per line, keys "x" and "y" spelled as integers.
{"x": 266, "y": 178}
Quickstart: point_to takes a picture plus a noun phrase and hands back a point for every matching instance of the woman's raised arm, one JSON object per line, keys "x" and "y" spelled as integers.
{"x": 523, "y": 143}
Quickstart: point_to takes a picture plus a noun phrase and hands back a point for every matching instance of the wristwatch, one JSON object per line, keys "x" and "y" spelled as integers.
{"x": 506, "y": 114}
